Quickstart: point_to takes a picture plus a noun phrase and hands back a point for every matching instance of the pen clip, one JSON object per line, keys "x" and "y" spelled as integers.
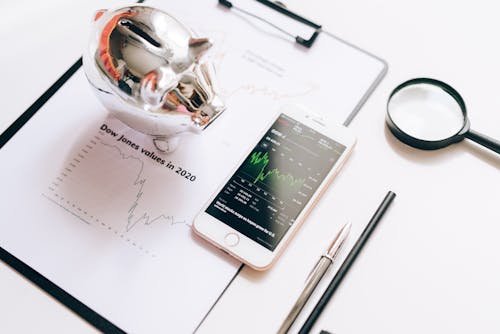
{"x": 334, "y": 248}
{"x": 316, "y": 265}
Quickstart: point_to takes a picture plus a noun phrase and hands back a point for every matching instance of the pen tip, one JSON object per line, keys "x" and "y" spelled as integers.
{"x": 347, "y": 226}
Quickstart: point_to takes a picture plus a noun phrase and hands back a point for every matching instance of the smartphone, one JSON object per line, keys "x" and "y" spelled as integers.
{"x": 256, "y": 211}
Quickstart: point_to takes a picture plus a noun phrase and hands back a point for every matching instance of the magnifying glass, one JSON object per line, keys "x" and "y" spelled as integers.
{"x": 429, "y": 114}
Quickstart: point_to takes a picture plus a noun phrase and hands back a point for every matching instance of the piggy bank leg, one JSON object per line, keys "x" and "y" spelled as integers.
{"x": 166, "y": 145}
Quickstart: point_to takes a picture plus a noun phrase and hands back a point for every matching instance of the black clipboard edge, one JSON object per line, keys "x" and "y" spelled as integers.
{"x": 25, "y": 116}
{"x": 22, "y": 268}
{"x": 218, "y": 298}
{"x": 374, "y": 84}
{"x": 55, "y": 291}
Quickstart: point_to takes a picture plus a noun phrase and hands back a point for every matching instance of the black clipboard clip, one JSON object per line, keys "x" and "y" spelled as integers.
{"x": 279, "y": 7}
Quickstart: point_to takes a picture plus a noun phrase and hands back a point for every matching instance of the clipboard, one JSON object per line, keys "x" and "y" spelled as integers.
{"x": 58, "y": 290}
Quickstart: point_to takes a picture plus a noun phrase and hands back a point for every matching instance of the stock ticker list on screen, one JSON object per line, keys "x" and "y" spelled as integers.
{"x": 274, "y": 183}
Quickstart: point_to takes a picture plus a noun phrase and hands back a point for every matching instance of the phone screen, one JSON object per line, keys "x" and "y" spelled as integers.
{"x": 274, "y": 183}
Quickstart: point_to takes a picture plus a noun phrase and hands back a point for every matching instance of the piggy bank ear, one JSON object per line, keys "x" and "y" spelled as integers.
{"x": 99, "y": 13}
{"x": 155, "y": 84}
{"x": 198, "y": 46}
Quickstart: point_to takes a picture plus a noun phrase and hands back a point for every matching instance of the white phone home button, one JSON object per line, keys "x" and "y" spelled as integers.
{"x": 231, "y": 239}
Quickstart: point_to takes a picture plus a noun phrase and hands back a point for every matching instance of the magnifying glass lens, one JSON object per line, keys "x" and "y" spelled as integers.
{"x": 426, "y": 112}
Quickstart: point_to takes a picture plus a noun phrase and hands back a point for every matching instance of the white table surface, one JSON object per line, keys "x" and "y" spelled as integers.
{"x": 432, "y": 265}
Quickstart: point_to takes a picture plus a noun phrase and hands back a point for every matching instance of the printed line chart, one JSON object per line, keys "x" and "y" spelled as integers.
{"x": 104, "y": 185}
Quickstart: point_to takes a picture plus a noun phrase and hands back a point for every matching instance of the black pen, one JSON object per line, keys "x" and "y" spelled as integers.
{"x": 351, "y": 257}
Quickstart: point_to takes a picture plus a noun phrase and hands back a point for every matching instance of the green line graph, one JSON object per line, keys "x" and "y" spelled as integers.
{"x": 260, "y": 161}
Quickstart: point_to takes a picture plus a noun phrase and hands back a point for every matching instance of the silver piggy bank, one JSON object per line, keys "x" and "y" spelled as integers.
{"x": 145, "y": 67}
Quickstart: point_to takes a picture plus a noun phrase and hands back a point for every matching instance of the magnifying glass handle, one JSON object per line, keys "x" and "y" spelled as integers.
{"x": 486, "y": 141}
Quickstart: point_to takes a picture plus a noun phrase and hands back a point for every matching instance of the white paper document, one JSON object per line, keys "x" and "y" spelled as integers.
{"x": 94, "y": 207}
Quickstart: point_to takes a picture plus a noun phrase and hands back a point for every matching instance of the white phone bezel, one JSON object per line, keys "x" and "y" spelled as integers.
{"x": 247, "y": 250}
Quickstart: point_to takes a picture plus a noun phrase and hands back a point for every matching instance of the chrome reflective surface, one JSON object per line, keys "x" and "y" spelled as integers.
{"x": 145, "y": 67}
